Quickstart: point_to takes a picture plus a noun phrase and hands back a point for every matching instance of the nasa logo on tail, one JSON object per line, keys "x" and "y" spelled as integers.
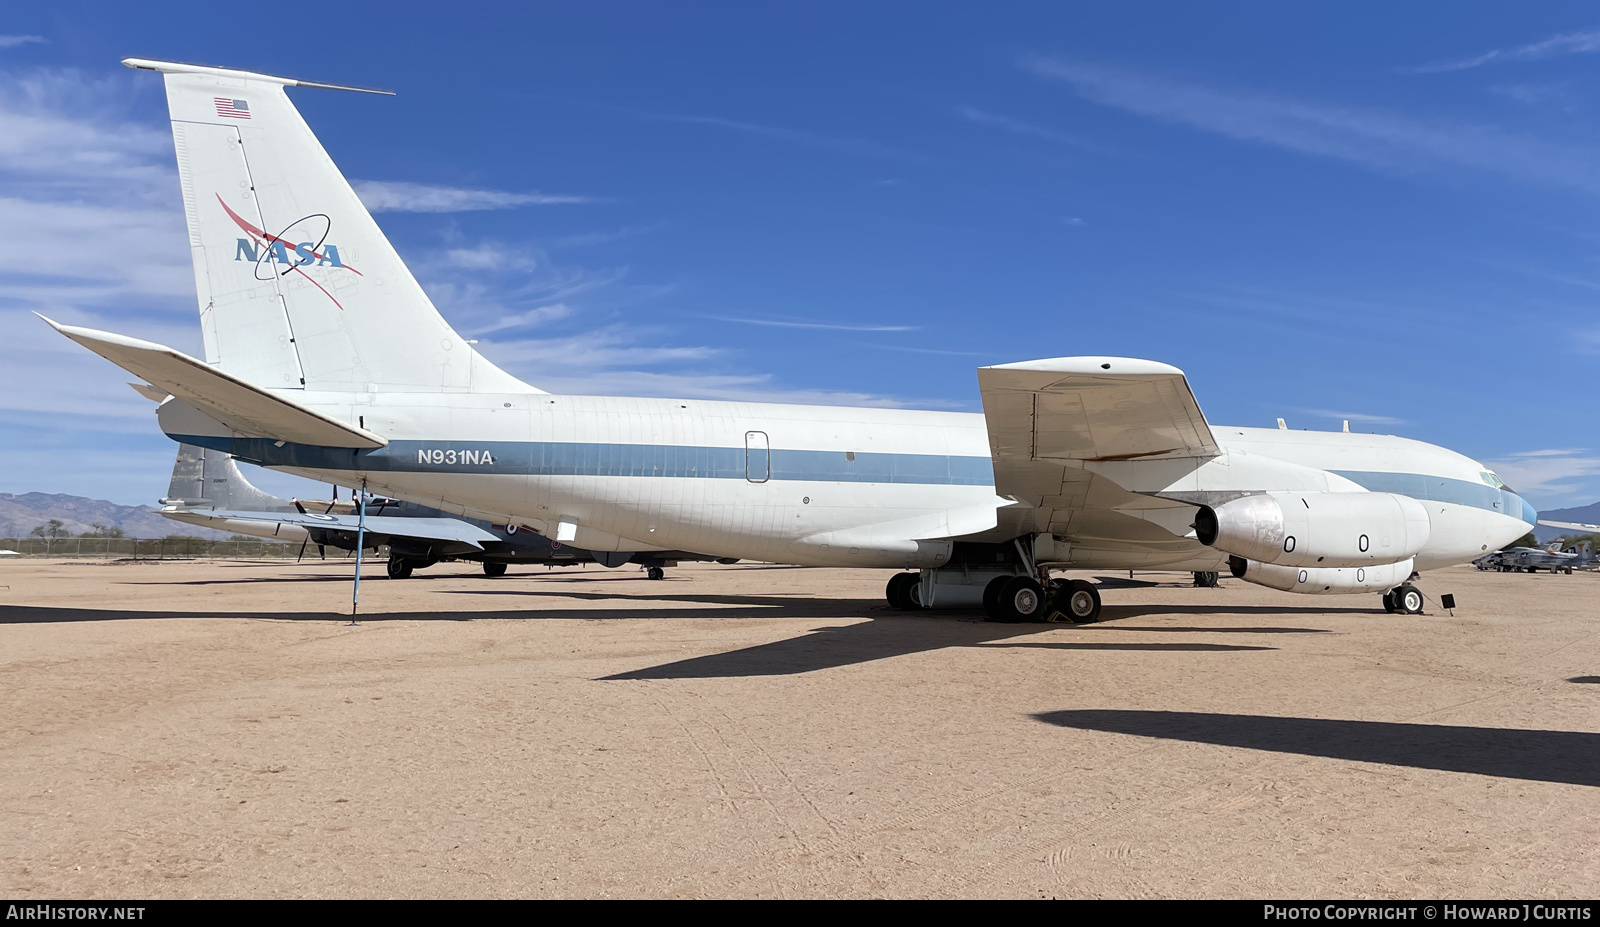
{"x": 262, "y": 248}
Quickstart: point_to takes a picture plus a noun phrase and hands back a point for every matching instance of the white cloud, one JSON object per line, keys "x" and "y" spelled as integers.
{"x": 1375, "y": 139}
{"x": 12, "y": 41}
{"x": 586, "y": 239}
{"x": 1547, "y": 94}
{"x": 488, "y": 255}
{"x": 1572, "y": 43}
{"x": 1547, "y": 473}
{"x": 1361, "y": 417}
{"x": 531, "y": 318}
{"x": 403, "y": 196}
{"x": 730, "y": 387}
{"x": 982, "y": 117}
{"x": 55, "y": 252}
{"x": 825, "y": 326}
{"x": 590, "y": 352}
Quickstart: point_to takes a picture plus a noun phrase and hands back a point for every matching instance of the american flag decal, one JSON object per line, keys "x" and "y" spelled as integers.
{"x": 233, "y": 109}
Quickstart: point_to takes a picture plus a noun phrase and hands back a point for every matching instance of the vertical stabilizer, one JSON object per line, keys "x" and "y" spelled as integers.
{"x": 298, "y": 287}
{"x": 207, "y": 479}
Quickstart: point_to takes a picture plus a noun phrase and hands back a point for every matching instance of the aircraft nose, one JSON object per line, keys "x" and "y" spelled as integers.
{"x": 1528, "y": 514}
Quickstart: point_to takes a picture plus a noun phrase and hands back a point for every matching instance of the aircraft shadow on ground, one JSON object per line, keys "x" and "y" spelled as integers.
{"x": 882, "y": 635}
{"x": 901, "y": 635}
{"x": 1571, "y": 757}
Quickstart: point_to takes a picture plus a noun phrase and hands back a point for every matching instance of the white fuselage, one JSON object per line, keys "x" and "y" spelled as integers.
{"x": 838, "y": 486}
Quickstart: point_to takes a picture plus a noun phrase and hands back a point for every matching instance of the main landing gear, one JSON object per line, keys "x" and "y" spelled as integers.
{"x": 904, "y": 592}
{"x": 655, "y": 573}
{"x": 1207, "y": 579}
{"x": 492, "y": 569}
{"x": 1013, "y": 599}
{"x": 399, "y": 568}
{"x": 1405, "y": 599}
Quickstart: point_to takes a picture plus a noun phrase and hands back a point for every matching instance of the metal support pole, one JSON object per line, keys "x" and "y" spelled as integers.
{"x": 361, "y": 535}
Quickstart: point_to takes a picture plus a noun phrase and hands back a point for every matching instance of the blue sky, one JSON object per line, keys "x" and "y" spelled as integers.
{"x": 1387, "y": 214}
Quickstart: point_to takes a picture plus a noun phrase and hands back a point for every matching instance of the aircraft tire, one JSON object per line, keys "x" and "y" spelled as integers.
{"x": 1388, "y": 601}
{"x": 656, "y": 573}
{"x": 1408, "y": 599}
{"x": 1080, "y": 600}
{"x": 898, "y": 592}
{"x": 399, "y": 568}
{"x": 492, "y": 568}
{"x": 1023, "y": 599}
{"x": 991, "y": 598}
{"x": 1207, "y": 579}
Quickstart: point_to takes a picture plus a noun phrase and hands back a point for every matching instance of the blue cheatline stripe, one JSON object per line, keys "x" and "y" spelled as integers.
{"x": 1443, "y": 489}
{"x": 550, "y": 458}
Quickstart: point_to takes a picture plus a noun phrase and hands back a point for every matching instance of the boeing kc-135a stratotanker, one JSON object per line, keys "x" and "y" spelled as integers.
{"x": 324, "y": 358}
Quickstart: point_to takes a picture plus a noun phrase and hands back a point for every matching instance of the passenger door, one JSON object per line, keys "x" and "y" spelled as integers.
{"x": 757, "y": 457}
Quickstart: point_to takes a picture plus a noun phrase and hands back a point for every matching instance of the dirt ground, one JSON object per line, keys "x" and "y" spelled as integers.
{"x": 214, "y": 729}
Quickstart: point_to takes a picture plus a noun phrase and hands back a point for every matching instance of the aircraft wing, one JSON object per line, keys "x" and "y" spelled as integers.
{"x": 1569, "y": 525}
{"x": 394, "y": 526}
{"x": 1048, "y": 419}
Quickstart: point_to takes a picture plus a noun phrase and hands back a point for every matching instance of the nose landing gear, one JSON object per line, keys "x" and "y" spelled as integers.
{"x": 1405, "y": 599}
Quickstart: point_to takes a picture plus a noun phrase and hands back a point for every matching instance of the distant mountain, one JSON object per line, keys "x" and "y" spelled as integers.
{"x": 20, "y": 514}
{"x": 1584, "y": 514}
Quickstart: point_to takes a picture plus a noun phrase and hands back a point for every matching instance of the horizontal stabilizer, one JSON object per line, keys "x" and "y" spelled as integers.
{"x": 235, "y": 403}
{"x": 394, "y": 526}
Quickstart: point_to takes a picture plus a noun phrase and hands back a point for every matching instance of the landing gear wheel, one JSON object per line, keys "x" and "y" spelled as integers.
{"x": 1207, "y": 579}
{"x": 1021, "y": 599}
{"x": 904, "y": 592}
{"x": 1408, "y": 599}
{"x": 1080, "y": 600}
{"x": 492, "y": 569}
{"x": 1388, "y": 601}
{"x": 991, "y": 598}
{"x": 655, "y": 573}
{"x": 399, "y": 568}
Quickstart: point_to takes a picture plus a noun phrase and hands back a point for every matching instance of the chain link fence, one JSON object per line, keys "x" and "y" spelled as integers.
{"x": 176, "y": 547}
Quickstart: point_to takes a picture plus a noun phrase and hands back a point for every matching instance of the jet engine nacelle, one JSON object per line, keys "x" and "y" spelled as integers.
{"x": 1316, "y": 529}
{"x": 1321, "y": 580}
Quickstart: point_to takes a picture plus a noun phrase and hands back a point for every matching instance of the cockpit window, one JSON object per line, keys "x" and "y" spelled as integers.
{"x": 1493, "y": 480}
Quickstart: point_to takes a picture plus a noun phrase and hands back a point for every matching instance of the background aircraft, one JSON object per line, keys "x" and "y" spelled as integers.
{"x": 207, "y": 489}
{"x": 324, "y": 358}
{"x": 1555, "y": 558}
